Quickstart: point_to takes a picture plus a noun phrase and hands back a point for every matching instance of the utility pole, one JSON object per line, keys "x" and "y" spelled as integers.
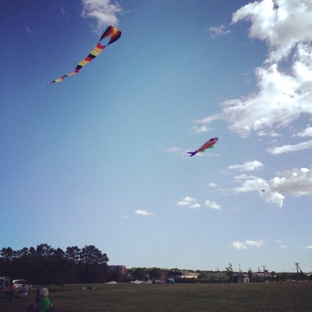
{"x": 297, "y": 265}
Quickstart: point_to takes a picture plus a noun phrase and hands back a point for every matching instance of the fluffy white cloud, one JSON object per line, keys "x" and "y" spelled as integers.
{"x": 189, "y": 202}
{"x": 238, "y": 245}
{"x": 282, "y": 24}
{"x": 309, "y": 247}
{"x": 143, "y": 213}
{"x": 212, "y": 185}
{"x": 104, "y": 11}
{"x": 290, "y": 148}
{"x": 248, "y": 166}
{"x": 247, "y": 244}
{"x": 285, "y": 88}
{"x": 295, "y": 182}
{"x": 212, "y": 205}
{"x": 250, "y": 183}
{"x": 306, "y": 133}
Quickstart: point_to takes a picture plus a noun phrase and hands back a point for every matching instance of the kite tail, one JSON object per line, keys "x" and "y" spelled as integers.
{"x": 192, "y": 153}
{"x": 111, "y": 32}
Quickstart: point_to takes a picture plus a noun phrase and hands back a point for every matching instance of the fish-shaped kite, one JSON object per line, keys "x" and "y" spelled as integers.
{"x": 208, "y": 144}
{"x": 111, "y": 32}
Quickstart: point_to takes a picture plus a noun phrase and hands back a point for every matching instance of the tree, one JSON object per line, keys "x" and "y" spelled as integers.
{"x": 250, "y": 274}
{"x": 44, "y": 264}
{"x": 273, "y": 274}
{"x": 230, "y": 272}
{"x": 139, "y": 273}
{"x": 92, "y": 267}
{"x": 92, "y": 255}
{"x": 155, "y": 273}
{"x": 284, "y": 276}
{"x": 114, "y": 276}
{"x": 73, "y": 254}
{"x": 44, "y": 251}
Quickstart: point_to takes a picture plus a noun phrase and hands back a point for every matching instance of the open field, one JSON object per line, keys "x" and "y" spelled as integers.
{"x": 287, "y": 296}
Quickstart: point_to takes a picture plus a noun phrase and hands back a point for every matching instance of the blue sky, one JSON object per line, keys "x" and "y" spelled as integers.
{"x": 101, "y": 158}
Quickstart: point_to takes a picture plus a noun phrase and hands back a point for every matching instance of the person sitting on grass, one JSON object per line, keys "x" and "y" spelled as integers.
{"x": 44, "y": 305}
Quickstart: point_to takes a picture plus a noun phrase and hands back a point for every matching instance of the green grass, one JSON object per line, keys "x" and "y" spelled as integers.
{"x": 287, "y": 296}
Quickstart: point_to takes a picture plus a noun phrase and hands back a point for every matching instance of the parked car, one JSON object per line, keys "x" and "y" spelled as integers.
{"x": 112, "y": 282}
{"x": 136, "y": 282}
{"x": 18, "y": 284}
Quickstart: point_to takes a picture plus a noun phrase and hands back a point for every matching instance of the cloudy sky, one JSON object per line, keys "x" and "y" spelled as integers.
{"x": 101, "y": 158}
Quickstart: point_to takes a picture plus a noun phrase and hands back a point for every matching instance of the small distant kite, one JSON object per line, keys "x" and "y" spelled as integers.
{"x": 208, "y": 144}
{"x": 111, "y": 32}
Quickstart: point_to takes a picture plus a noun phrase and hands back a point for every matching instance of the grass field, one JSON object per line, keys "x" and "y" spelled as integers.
{"x": 287, "y": 296}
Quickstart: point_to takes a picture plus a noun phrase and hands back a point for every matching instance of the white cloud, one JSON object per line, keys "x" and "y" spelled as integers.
{"x": 282, "y": 24}
{"x": 283, "y": 246}
{"x": 125, "y": 217}
{"x": 238, "y": 245}
{"x": 219, "y": 31}
{"x": 201, "y": 129}
{"x": 248, "y": 166}
{"x": 104, "y": 11}
{"x": 189, "y": 202}
{"x": 186, "y": 201}
{"x": 309, "y": 247}
{"x": 250, "y": 183}
{"x": 143, "y": 213}
{"x": 306, "y": 133}
{"x": 285, "y": 88}
{"x": 295, "y": 182}
{"x": 290, "y": 148}
{"x": 212, "y": 185}
{"x": 270, "y": 133}
{"x": 247, "y": 244}
{"x": 258, "y": 243}
{"x": 212, "y": 205}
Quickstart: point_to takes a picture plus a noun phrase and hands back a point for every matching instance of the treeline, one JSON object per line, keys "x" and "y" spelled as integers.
{"x": 46, "y": 265}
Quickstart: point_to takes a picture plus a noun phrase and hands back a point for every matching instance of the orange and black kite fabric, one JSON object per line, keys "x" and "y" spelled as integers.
{"x": 111, "y": 32}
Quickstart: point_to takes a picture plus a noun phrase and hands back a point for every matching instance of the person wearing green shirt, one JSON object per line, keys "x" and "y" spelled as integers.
{"x": 44, "y": 304}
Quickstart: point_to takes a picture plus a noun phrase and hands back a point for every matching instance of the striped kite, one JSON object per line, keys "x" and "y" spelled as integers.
{"x": 111, "y": 32}
{"x": 208, "y": 144}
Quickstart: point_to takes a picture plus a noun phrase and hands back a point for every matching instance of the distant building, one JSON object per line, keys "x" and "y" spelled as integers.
{"x": 121, "y": 269}
{"x": 183, "y": 274}
{"x": 243, "y": 279}
{"x": 264, "y": 275}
